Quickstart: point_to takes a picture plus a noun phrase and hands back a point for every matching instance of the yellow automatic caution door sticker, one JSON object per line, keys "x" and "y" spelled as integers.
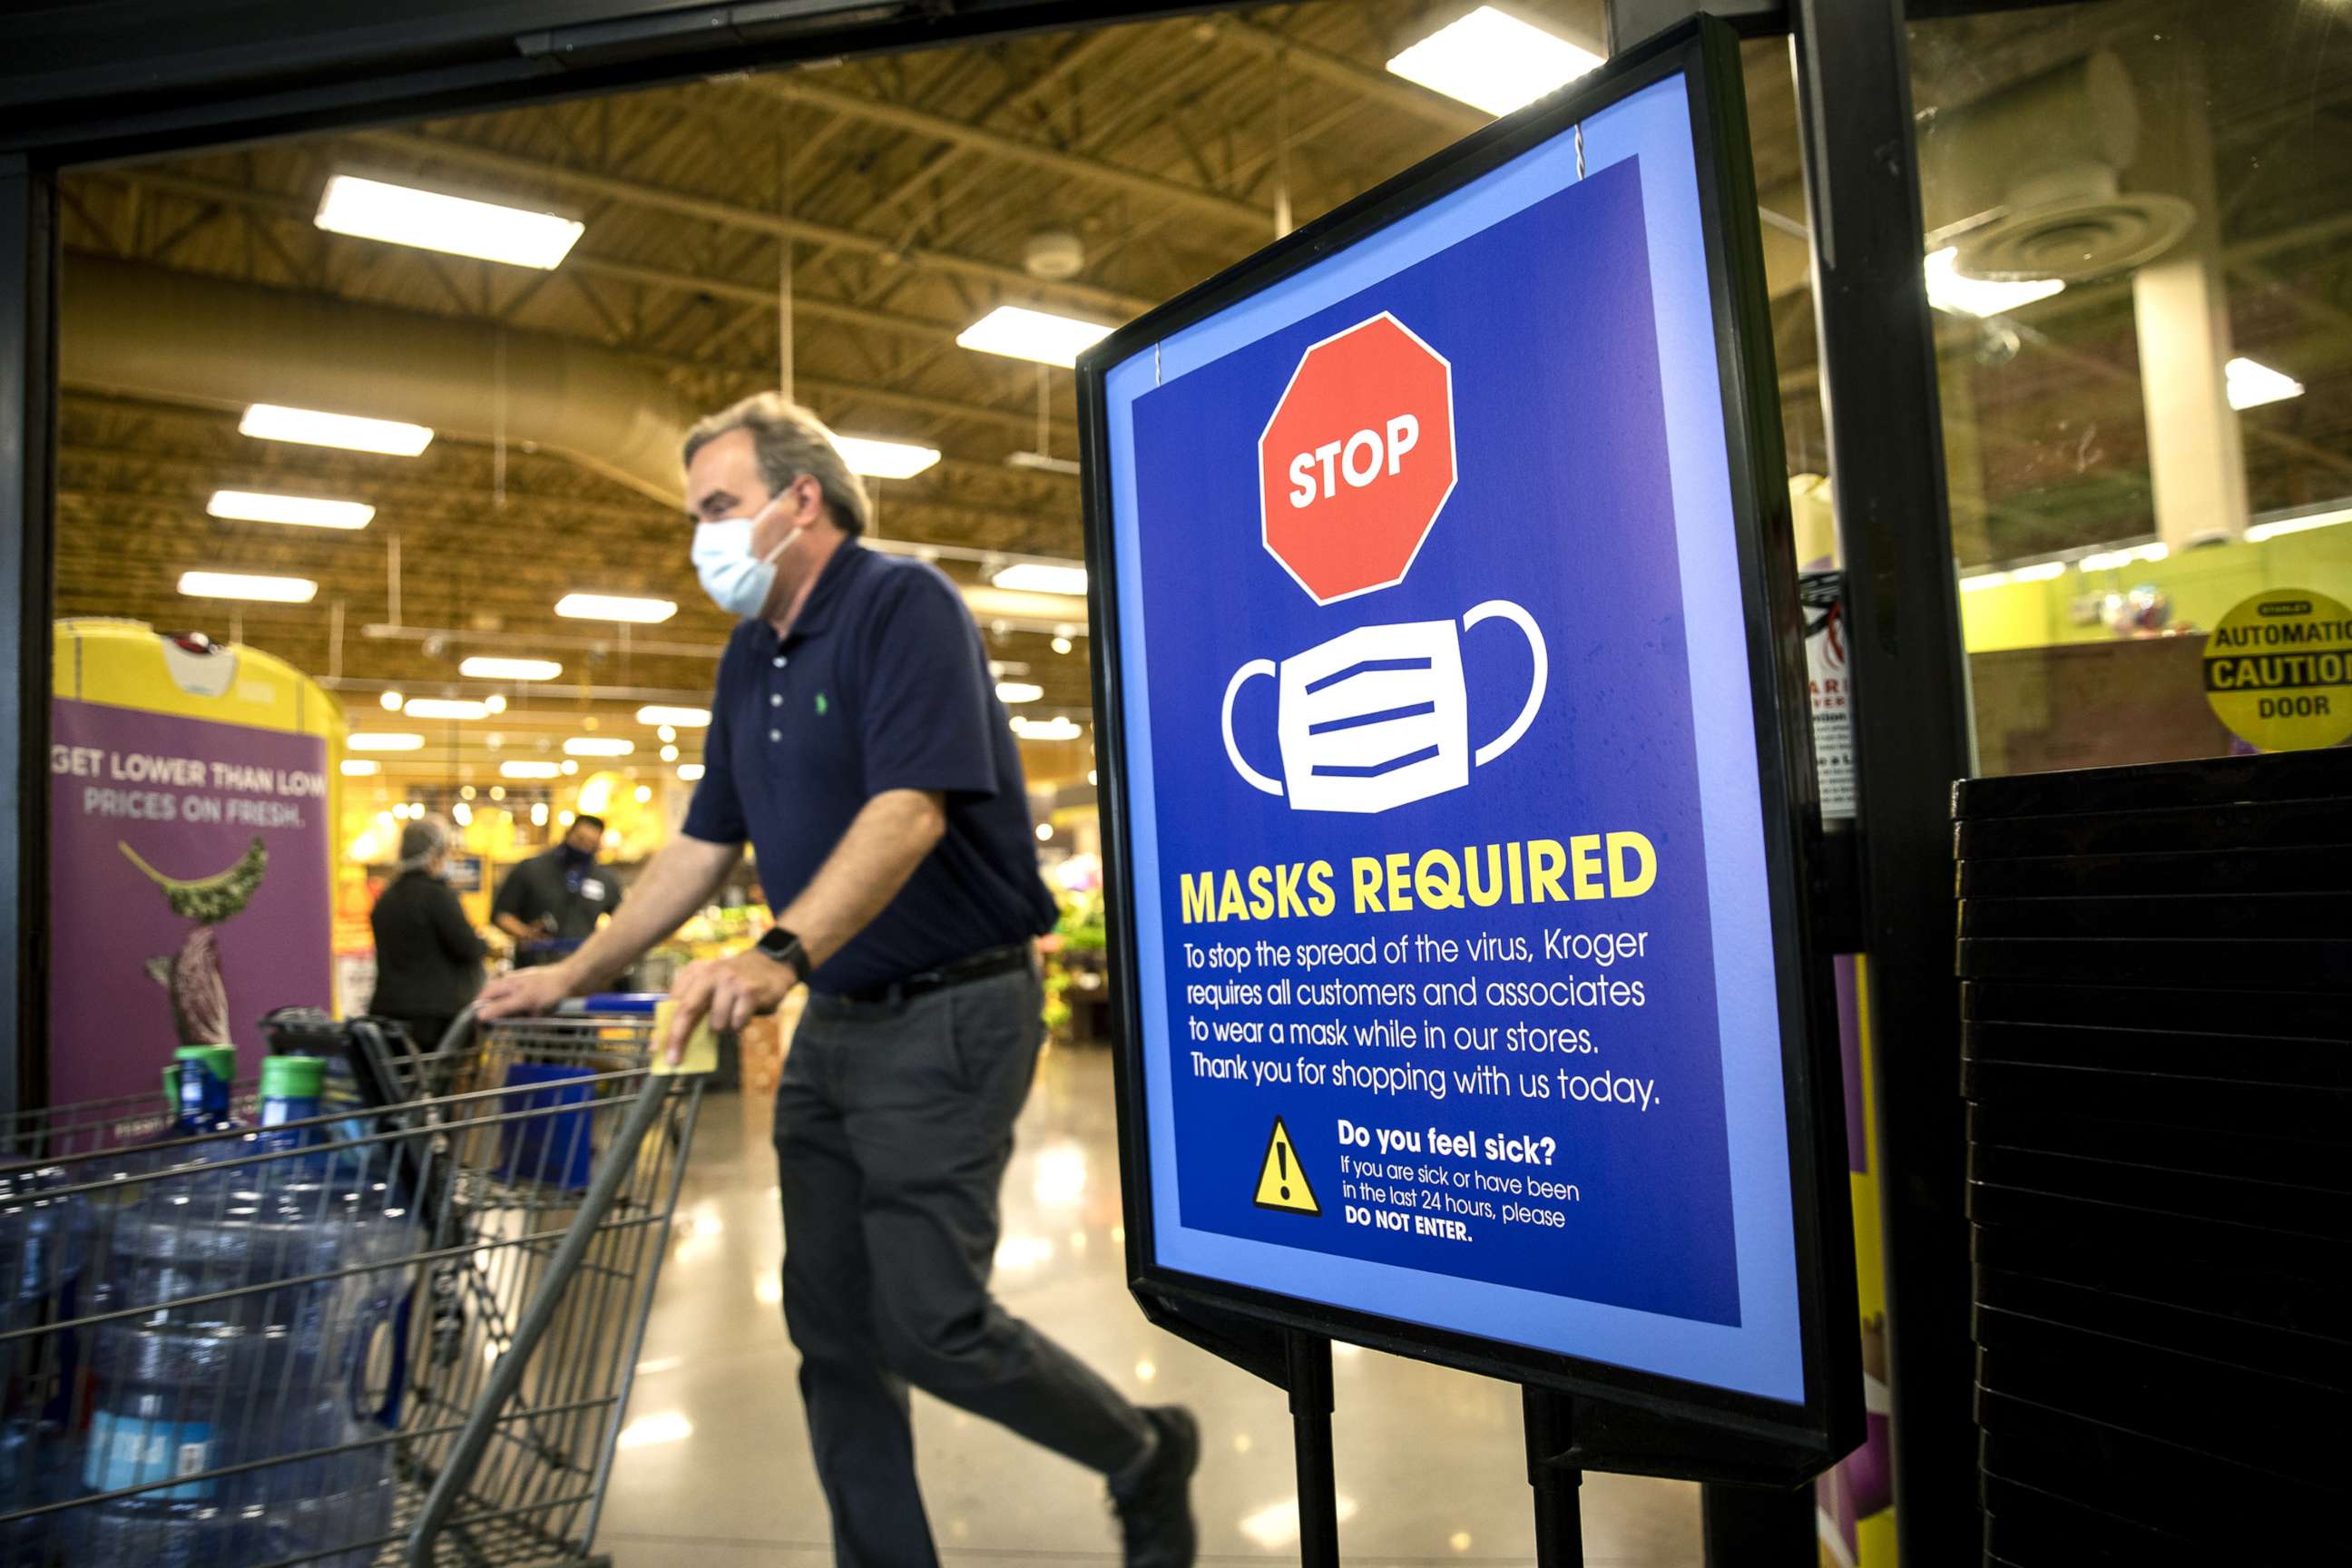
{"x": 2278, "y": 669}
{"x": 1281, "y": 1180}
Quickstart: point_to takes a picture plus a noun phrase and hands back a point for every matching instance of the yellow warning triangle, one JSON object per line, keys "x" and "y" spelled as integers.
{"x": 1281, "y": 1180}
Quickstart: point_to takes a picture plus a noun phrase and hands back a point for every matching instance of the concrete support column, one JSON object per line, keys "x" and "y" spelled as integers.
{"x": 2197, "y": 460}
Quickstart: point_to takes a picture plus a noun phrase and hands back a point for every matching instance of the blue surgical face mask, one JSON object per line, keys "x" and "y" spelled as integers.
{"x": 737, "y": 580}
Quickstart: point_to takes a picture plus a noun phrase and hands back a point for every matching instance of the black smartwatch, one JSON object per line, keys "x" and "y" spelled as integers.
{"x": 785, "y": 949}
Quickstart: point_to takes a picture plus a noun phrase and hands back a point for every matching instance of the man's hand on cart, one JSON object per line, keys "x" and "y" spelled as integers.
{"x": 730, "y": 992}
{"x": 526, "y": 992}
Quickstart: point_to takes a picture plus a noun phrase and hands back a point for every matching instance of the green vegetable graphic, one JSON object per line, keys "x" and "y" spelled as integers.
{"x": 209, "y": 900}
{"x": 193, "y": 976}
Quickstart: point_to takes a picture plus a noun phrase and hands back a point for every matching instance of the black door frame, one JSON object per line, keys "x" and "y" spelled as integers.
{"x": 340, "y": 65}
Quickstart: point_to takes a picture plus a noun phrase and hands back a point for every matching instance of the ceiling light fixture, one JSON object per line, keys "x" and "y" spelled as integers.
{"x": 598, "y": 746}
{"x": 1054, "y": 728}
{"x": 313, "y": 427}
{"x": 1947, "y": 290}
{"x": 302, "y": 512}
{"x": 247, "y": 585}
{"x": 614, "y": 607}
{"x": 1041, "y": 577}
{"x": 1017, "y": 331}
{"x": 390, "y": 701}
{"x": 1492, "y": 60}
{"x": 2108, "y": 560}
{"x": 682, "y": 718}
{"x": 1043, "y": 462}
{"x": 690, "y": 771}
{"x": 2304, "y": 524}
{"x": 527, "y": 770}
{"x": 382, "y": 740}
{"x": 1011, "y": 691}
{"x": 360, "y": 767}
{"x": 404, "y": 213}
{"x": 880, "y": 459}
{"x": 2251, "y": 384}
{"x": 482, "y": 667}
{"x": 445, "y": 708}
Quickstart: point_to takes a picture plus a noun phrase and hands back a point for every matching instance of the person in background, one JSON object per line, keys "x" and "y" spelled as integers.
{"x": 428, "y": 957}
{"x": 857, "y": 743}
{"x": 551, "y": 903}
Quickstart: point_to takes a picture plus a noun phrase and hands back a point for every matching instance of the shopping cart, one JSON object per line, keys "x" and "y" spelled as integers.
{"x": 400, "y": 1330}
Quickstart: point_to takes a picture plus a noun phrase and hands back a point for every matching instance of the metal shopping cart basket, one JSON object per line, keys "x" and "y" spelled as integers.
{"x": 403, "y": 1330}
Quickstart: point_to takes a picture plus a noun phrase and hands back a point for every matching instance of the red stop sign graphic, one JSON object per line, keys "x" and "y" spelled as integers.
{"x": 1357, "y": 459}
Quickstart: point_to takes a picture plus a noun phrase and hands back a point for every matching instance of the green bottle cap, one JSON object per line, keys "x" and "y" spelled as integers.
{"x": 218, "y": 1061}
{"x": 293, "y": 1077}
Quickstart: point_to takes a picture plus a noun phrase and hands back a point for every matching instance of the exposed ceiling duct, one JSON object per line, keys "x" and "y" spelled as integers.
{"x": 181, "y": 337}
{"x": 185, "y": 338}
{"x": 2027, "y": 181}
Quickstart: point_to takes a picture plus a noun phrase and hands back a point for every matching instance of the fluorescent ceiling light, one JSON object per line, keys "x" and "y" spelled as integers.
{"x": 690, "y": 771}
{"x": 274, "y": 421}
{"x": 528, "y": 770}
{"x": 1042, "y": 577}
{"x": 433, "y": 220}
{"x": 2108, "y": 560}
{"x": 1017, "y": 331}
{"x": 445, "y": 708}
{"x": 598, "y": 746}
{"x": 878, "y": 459}
{"x": 382, "y": 740}
{"x": 247, "y": 585}
{"x": 614, "y": 607}
{"x": 2251, "y": 384}
{"x": 2303, "y": 524}
{"x": 1018, "y": 691}
{"x": 1947, "y": 290}
{"x": 482, "y": 667}
{"x": 1056, "y": 729}
{"x": 682, "y": 718}
{"x": 360, "y": 767}
{"x": 1493, "y": 60}
{"x": 304, "y": 512}
{"x": 2039, "y": 574}
{"x": 1042, "y": 462}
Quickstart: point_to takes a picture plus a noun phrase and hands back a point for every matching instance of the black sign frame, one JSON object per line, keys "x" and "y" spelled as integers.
{"x": 1629, "y": 1420}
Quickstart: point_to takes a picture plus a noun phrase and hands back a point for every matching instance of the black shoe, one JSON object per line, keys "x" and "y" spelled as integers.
{"x": 1155, "y": 1508}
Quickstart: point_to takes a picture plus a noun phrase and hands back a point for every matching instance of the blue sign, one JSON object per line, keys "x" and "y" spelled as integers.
{"x": 1460, "y": 989}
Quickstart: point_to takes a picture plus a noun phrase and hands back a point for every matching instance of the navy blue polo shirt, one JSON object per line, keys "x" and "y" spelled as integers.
{"x": 882, "y": 684}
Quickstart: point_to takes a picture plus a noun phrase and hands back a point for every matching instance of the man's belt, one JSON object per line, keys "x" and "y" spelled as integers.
{"x": 979, "y": 966}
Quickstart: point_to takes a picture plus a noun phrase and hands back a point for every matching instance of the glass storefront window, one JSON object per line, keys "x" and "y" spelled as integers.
{"x": 2135, "y": 216}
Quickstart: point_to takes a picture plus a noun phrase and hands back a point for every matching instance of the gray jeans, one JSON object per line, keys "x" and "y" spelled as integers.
{"x": 894, "y": 1124}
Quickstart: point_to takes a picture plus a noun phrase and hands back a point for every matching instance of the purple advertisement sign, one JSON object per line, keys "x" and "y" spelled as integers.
{"x": 189, "y": 891}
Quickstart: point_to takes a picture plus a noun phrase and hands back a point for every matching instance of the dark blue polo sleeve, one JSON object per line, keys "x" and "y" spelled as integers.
{"x": 929, "y": 710}
{"x": 715, "y": 816}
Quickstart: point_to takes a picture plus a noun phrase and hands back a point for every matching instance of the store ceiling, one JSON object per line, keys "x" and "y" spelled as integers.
{"x": 908, "y": 188}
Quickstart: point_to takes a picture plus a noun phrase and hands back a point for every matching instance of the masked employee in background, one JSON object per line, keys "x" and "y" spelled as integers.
{"x": 428, "y": 957}
{"x": 550, "y": 902}
{"x": 856, "y": 740}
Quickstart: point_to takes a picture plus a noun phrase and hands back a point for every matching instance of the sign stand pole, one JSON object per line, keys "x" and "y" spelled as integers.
{"x": 1554, "y": 1473}
{"x": 1307, "y": 1359}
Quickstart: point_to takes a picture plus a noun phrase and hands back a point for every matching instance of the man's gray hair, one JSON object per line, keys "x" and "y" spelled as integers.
{"x": 790, "y": 441}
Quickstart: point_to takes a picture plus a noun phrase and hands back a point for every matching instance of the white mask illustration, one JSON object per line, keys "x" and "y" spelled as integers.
{"x": 1378, "y": 717}
{"x": 737, "y": 580}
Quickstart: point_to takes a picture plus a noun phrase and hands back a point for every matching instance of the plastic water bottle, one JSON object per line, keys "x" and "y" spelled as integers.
{"x": 179, "y": 1391}
{"x": 44, "y": 1240}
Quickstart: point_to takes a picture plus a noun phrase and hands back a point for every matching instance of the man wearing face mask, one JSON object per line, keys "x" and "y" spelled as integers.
{"x": 551, "y": 903}
{"x": 856, "y": 742}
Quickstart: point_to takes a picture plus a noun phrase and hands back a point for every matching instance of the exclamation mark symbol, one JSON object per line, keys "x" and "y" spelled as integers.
{"x": 1282, "y": 1159}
